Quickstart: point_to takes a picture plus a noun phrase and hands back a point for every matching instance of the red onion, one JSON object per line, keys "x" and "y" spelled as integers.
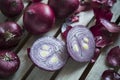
{"x": 9, "y": 63}
{"x": 63, "y": 8}
{"x": 110, "y": 75}
{"x": 38, "y": 18}
{"x": 11, "y": 8}
{"x": 113, "y": 57}
{"x": 10, "y": 34}
{"x": 80, "y": 43}
{"x": 48, "y": 53}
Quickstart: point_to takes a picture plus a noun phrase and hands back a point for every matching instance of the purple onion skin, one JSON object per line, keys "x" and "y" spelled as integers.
{"x": 108, "y": 3}
{"x": 113, "y": 57}
{"x": 9, "y": 63}
{"x": 110, "y": 75}
{"x": 80, "y": 43}
{"x": 38, "y": 18}
{"x": 35, "y": 0}
{"x": 63, "y": 8}
{"x": 56, "y": 48}
{"x": 10, "y": 34}
{"x": 11, "y": 8}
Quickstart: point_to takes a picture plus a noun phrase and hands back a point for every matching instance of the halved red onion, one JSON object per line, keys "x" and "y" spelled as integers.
{"x": 110, "y": 75}
{"x": 113, "y": 57}
{"x": 48, "y": 53}
{"x": 110, "y": 26}
{"x": 80, "y": 43}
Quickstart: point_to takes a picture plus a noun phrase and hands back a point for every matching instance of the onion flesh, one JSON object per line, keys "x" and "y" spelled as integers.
{"x": 80, "y": 43}
{"x": 48, "y": 53}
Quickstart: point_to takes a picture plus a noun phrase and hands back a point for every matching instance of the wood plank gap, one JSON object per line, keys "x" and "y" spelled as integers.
{"x": 90, "y": 65}
{"x": 57, "y": 72}
{"x": 22, "y": 43}
{"x": 55, "y": 75}
{"x": 28, "y": 72}
{"x": 118, "y": 20}
{"x": 33, "y": 66}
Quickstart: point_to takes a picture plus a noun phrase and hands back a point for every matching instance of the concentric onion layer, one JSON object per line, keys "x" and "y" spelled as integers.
{"x": 49, "y": 53}
{"x": 80, "y": 43}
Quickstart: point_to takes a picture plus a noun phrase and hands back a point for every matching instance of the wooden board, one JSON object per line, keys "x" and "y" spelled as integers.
{"x": 72, "y": 70}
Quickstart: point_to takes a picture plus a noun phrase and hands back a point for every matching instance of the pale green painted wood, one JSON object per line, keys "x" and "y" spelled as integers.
{"x": 100, "y": 66}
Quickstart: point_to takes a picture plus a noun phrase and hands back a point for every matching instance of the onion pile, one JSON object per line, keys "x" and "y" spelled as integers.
{"x": 80, "y": 43}
{"x": 48, "y": 53}
{"x": 11, "y": 8}
{"x": 38, "y": 18}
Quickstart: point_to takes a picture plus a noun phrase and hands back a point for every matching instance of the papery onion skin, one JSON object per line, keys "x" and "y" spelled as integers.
{"x": 38, "y": 18}
{"x": 63, "y": 8}
{"x": 109, "y": 3}
{"x": 111, "y": 27}
{"x": 9, "y": 63}
{"x": 103, "y": 38}
{"x": 80, "y": 43}
{"x": 113, "y": 57}
{"x": 56, "y": 49}
{"x": 110, "y": 75}
{"x": 10, "y": 34}
{"x": 11, "y": 8}
{"x": 35, "y": 0}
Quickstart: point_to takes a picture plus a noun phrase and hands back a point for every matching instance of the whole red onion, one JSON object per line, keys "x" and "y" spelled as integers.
{"x": 10, "y": 34}
{"x": 11, "y": 8}
{"x": 63, "y": 8}
{"x": 9, "y": 63}
{"x": 38, "y": 18}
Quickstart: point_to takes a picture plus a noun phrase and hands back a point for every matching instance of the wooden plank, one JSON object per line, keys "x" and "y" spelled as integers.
{"x": 100, "y": 66}
{"x": 72, "y": 70}
{"x": 84, "y": 21}
{"x": 2, "y": 17}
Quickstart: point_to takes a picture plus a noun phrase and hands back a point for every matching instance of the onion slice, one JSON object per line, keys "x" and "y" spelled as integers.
{"x": 80, "y": 43}
{"x": 48, "y": 53}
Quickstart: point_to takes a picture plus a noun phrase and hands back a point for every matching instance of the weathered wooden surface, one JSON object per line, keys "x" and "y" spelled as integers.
{"x": 72, "y": 70}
